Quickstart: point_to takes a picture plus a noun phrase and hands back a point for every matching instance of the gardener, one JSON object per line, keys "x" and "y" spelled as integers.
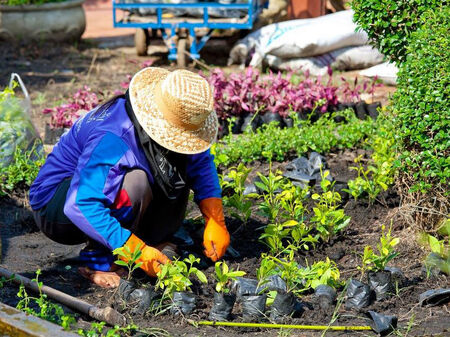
{"x": 122, "y": 174}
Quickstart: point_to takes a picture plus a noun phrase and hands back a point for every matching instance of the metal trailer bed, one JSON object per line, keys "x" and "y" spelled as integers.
{"x": 185, "y": 36}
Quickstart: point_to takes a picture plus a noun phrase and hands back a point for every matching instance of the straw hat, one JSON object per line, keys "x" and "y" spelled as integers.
{"x": 175, "y": 109}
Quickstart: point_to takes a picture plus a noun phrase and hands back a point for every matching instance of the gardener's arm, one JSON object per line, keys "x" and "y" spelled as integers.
{"x": 204, "y": 181}
{"x": 93, "y": 189}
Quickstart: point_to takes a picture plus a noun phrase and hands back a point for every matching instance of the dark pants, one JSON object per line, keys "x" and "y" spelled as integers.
{"x": 150, "y": 218}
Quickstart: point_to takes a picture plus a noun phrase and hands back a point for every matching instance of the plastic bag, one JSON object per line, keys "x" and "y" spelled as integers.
{"x": 17, "y": 131}
{"x": 223, "y": 305}
{"x": 253, "y": 307}
{"x": 183, "y": 302}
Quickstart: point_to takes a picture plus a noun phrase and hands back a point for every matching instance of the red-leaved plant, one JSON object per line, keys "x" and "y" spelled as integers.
{"x": 65, "y": 115}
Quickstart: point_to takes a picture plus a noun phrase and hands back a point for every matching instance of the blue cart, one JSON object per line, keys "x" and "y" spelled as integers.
{"x": 184, "y": 27}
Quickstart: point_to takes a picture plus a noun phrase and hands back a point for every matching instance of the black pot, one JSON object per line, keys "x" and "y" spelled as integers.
{"x": 350, "y": 105}
{"x": 341, "y": 107}
{"x": 223, "y": 305}
{"x": 288, "y": 122}
{"x": 125, "y": 289}
{"x": 52, "y": 135}
{"x": 183, "y": 302}
{"x": 244, "y": 286}
{"x": 250, "y": 120}
{"x": 372, "y": 109}
{"x": 283, "y": 305}
{"x": 270, "y": 117}
{"x": 223, "y": 128}
{"x": 253, "y": 307}
{"x": 304, "y": 114}
{"x": 381, "y": 283}
{"x": 359, "y": 295}
{"x": 237, "y": 125}
{"x": 326, "y": 296}
{"x": 361, "y": 111}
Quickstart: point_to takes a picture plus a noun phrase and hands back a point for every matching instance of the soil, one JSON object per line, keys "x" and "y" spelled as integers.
{"x": 53, "y": 73}
{"x": 25, "y": 250}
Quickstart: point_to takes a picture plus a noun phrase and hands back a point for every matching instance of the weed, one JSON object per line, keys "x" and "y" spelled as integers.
{"x": 45, "y": 309}
{"x": 98, "y": 329}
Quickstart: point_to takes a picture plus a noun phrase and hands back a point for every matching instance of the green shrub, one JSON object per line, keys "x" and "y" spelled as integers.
{"x": 271, "y": 142}
{"x": 422, "y": 107}
{"x": 422, "y": 103}
{"x": 21, "y": 172}
{"x": 390, "y": 23}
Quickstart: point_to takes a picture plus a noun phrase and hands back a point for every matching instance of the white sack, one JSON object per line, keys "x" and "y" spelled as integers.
{"x": 386, "y": 72}
{"x": 300, "y": 38}
{"x": 347, "y": 58}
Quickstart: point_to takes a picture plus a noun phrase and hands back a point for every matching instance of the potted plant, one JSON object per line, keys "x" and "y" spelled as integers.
{"x": 223, "y": 298}
{"x": 378, "y": 277}
{"x": 174, "y": 279}
{"x": 38, "y": 20}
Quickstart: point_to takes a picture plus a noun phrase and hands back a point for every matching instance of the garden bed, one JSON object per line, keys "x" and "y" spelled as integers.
{"x": 54, "y": 74}
{"x": 28, "y": 251}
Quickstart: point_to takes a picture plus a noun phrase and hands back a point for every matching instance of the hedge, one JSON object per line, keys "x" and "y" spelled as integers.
{"x": 390, "y": 23}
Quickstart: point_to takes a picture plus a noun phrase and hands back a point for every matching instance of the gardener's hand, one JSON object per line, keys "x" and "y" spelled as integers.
{"x": 216, "y": 238}
{"x": 151, "y": 258}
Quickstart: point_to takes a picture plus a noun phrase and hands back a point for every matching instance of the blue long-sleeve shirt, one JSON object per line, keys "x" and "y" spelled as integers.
{"x": 96, "y": 153}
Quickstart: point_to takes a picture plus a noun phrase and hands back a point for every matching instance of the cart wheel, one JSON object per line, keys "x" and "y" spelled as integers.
{"x": 141, "y": 38}
{"x": 182, "y": 57}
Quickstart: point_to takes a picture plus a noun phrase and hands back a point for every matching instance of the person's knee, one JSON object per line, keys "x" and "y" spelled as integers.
{"x": 133, "y": 198}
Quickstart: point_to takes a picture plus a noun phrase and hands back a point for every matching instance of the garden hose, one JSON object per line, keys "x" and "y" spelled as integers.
{"x": 278, "y": 326}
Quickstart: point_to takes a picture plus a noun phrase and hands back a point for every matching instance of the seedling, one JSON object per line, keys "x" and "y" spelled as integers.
{"x": 239, "y": 203}
{"x": 224, "y": 275}
{"x": 328, "y": 218}
{"x": 270, "y": 206}
{"x": 440, "y": 250}
{"x": 299, "y": 279}
{"x": 128, "y": 258}
{"x": 275, "y": 234}
{"x": 374, "y": 262}
{"x": 175, "y": 276}
{"x": 291, "y": 200}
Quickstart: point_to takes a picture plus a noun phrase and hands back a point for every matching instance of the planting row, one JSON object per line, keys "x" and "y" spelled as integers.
{"x": 271, "y": 96}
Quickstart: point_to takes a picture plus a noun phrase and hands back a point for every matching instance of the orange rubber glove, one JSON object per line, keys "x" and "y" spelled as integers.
{"x": 151, "y": 258}
{"x": 215, "y": 238}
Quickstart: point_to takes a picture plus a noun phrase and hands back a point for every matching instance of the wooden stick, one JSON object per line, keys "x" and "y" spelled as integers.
{"x": 108, "y": 314}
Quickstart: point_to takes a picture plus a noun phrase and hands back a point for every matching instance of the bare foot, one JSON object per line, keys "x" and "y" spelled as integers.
{"x": 104, "y": 279}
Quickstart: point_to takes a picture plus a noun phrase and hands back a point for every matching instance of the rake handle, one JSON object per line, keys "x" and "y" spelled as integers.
{"x": 107, "y": 314}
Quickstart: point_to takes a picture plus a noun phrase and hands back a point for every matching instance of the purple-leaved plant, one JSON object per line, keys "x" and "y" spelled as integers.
{"x": 64, "y": 116}
{"x": 249, "y": 92}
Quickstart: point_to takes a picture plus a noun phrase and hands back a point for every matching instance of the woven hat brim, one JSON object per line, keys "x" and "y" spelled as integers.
{"x": 142, "y": 96}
